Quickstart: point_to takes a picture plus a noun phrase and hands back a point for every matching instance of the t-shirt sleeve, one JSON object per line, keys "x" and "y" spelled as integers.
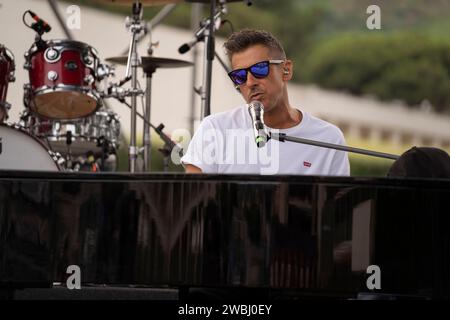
{"x": 201, "y": 149}
{"x": 340, "y": 165}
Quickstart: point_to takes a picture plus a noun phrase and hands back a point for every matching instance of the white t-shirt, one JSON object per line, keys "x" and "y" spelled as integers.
{"x": 225, "y": 143}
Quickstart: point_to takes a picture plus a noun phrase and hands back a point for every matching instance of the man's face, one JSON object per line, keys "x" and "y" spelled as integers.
{"x": 269, "y": 90}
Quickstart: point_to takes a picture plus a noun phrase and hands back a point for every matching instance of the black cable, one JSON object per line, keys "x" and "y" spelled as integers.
{"x": 23, "y": 19}
{"x": 230, "y": 23}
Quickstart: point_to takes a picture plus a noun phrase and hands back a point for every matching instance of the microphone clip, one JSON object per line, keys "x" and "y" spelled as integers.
{"x": 40, "y": 25}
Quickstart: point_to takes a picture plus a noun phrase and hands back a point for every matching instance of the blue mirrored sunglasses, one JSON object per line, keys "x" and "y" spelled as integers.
{"x": 258, "y": 70}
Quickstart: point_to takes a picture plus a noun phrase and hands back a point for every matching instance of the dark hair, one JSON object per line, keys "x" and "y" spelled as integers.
{"x": 422, "y": 162}
{"x": 241, "y": 40}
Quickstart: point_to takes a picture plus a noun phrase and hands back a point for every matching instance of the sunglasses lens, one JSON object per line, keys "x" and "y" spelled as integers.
{"x": 260, "y": 70}
{"x": 239, "y": 76}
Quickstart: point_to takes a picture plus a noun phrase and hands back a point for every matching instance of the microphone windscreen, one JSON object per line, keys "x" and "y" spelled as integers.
{"x": 257, "y": 105}
{"x": 184, "y": 48}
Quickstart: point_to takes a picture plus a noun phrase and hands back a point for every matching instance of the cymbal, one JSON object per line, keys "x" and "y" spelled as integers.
{"x": 155, "y": 2}
{"x": 209, "y": 1}
{"x": 144, "y": 2}
{"x": 150, "y": 62}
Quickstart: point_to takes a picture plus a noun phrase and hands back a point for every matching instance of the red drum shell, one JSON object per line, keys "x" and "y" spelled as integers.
{"x": 63, "y": 88}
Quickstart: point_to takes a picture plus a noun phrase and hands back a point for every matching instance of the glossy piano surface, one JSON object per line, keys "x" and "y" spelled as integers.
{"x": 311, "y": 235}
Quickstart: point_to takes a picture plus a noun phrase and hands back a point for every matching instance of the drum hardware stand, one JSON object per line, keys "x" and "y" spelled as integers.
{"x": 156, "y": 20}
{"x": 166, "y": 151}
{"x": 147, "y": 140}
{"x": 7, "y": 107}
{"x": 103, "y": 143}
{"x": 136, "y": 26}
{"x": 169, "y": 144}
{"x": 69, "y": 149}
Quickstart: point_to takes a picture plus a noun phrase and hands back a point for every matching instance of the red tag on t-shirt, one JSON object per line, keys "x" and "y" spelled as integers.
{"x": 306, "y": 164}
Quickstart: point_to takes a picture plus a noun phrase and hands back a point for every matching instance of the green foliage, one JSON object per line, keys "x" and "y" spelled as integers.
{"x": 293, "y": 24}
{"x": 360, "y": 167}
{"x": 402, "y": 66}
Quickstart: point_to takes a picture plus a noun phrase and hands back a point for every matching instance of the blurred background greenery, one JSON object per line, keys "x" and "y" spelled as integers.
{"x": 408, "y": 60}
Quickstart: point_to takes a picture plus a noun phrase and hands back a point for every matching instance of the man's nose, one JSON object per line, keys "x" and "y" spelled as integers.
{"x": 251, "y": 80}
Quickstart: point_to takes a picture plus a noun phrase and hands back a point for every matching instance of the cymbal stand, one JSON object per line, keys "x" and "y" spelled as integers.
{"x": 136, "y": 25}
{"x": 148, "y": 76}
{"x": 69, "y": 140}
{"x": 147, "y": 141}
{"x": 169, "y": 145}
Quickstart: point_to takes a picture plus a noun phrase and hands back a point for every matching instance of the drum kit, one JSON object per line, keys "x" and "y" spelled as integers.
{"x": 66, "y": 125}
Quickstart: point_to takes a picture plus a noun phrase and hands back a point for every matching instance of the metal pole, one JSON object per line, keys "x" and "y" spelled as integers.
{"x": 133, "y": 65}
{"x": 195, "y": 20}
{"x": 54, "y": 8}
{"x": 283, "y": 137}
{"x": 209, "y": 53}
{"x": 133, "y": 147}
{"x": 156, "y": 20}
{"x": 147, "y": 141}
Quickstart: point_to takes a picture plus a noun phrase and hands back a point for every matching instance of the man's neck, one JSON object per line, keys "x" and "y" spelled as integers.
{"x": 282, "y": 117}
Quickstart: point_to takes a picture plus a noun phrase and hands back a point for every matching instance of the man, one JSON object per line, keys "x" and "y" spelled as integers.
{"x": 224, "y": 142}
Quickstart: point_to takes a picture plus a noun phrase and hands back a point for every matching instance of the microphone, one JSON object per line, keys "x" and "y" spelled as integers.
{"x": 200, "y": 33}
{"x": 256, "y": 111}
{"x": 40, "y": 23}
{"x": 187, "y": 46}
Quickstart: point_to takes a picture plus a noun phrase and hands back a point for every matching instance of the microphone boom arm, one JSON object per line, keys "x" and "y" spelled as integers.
{"x": 200, "y": 33}
{"x": 283, "y": 137}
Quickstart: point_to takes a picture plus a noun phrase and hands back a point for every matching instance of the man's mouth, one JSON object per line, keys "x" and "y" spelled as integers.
{"x": 256, "y": 96}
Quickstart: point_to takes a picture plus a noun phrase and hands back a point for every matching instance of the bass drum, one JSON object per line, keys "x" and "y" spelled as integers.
{"x": 21, "y": 151}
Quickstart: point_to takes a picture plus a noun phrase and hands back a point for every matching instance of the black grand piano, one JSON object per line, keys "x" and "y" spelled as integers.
{"x": 288, "y": 236}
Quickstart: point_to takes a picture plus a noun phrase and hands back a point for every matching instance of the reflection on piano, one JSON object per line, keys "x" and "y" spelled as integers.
{"x": 289, "y": 235}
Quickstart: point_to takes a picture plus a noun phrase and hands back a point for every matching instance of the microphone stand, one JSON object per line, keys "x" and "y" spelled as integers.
{"x": 283, "y": 137}
{"x": 207, "y": 71}
{"x": 208, "y": 36}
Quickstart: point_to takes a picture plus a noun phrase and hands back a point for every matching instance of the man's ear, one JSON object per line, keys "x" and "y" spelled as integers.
{"x": 287, "y": 70}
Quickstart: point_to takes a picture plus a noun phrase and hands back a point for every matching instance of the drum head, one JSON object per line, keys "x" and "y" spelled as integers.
{"x": 64, "y": 104}
{"x": 21, "y": 151}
